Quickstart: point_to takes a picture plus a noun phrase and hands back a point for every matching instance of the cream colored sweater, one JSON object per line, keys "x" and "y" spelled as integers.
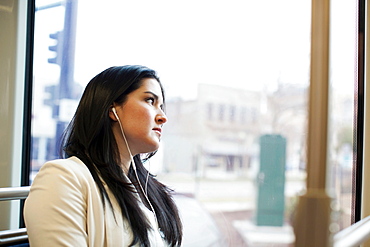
{"x": 64, "y": 208}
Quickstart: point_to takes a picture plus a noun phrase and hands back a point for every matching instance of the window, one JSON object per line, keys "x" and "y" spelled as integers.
{"x": 210, "y": 111}
{"x": 221, "y": 112}
{"x": 232, "y": 113}
{"x": 343, "y": 79}
{"x": 228, "y": 56}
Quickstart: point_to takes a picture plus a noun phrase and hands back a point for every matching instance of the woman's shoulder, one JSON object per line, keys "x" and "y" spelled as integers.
{"x": 71, "y": 163}
{"x": 70, "y": 167}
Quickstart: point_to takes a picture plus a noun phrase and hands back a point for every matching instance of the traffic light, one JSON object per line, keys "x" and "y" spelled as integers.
{"x": 57, "y": 47}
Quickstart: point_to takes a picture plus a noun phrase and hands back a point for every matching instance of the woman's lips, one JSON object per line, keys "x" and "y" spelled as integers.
{"x": 158, "y": 130}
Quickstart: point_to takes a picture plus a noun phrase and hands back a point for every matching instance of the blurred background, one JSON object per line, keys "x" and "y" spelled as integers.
{"x": 236, "y": 76}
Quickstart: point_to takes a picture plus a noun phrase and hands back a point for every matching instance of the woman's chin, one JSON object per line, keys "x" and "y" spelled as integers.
{"x": 151, "y": 148}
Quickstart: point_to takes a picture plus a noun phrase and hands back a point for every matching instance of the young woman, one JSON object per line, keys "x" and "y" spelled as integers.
{"x": 100, "y": 194}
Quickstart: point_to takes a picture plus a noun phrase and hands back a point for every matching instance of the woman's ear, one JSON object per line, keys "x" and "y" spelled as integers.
{"x": 113, "y": 114}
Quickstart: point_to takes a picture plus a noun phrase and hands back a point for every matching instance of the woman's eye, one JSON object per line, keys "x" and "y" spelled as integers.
{"x": 150, "y": 100}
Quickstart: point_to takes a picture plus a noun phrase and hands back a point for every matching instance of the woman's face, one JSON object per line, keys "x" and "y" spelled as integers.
{"x": 142, "y": 117}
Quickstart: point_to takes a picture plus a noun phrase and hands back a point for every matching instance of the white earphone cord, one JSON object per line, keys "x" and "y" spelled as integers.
{"x": 134, "y": 167}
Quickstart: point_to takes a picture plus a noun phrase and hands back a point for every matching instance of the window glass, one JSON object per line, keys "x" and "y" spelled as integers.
{"x": 343, "y": 78}
{"x": 236, "y": 76}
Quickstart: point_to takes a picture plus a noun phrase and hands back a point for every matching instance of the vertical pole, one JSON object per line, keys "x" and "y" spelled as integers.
{"x": 68, "y": 56}
{"x": 66, "y": 80}
{"x": 360, "y": 167}
{"x": 364, "y": 29}
{"x": 13, "y": 33}
{"x": 312, "y": 221}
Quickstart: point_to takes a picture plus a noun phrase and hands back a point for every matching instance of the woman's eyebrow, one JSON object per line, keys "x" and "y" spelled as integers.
{"x": 154, "y": 95}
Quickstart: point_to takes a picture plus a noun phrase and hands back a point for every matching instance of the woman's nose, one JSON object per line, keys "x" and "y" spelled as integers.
{"x": 161, "y": 117}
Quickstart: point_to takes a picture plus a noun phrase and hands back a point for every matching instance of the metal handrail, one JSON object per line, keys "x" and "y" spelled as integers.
{"x": 14, "y": 193}
{"x": 13, "y": 236}
{"x": 353, "y": 235}
{"x": 17, "y": 236}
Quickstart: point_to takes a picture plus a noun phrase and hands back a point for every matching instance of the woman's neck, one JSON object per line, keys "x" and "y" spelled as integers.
{"x": 125, "y": 162}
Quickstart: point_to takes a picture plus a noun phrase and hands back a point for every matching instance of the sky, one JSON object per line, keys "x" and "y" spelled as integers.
{"x": 245, "y": 44}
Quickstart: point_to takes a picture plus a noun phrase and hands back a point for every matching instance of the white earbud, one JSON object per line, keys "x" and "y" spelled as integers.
{"x": 115, "y": 112}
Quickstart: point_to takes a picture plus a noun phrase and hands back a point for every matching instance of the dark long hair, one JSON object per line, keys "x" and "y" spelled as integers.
{"x": 89, "y": 137}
